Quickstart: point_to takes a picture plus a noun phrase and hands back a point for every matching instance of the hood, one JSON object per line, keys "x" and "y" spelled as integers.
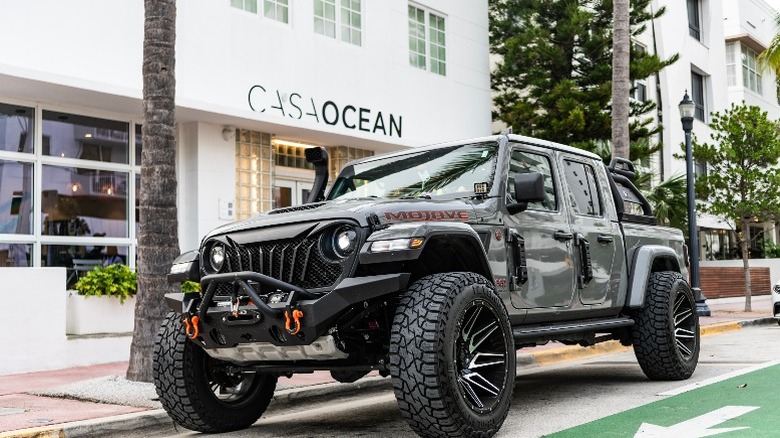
{"x": 387, "y": 211}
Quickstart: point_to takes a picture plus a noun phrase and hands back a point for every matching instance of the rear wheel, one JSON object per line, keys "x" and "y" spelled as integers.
{"x": 201, "y": 393}
{"x": 452, "y": 357}
{"x": 666, "y": 333}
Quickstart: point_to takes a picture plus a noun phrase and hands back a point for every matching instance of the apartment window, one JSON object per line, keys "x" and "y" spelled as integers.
{"x": 427, "y": 40}
{"x": 697, "y": 95}
{"x": 731, "y": 64}
{"x": 751, "y": 79}
{"x": 247, "y": 5}
{"x": 694, "y": 23}
{"x": 276, "y": 10}
{"x": 639, "y": 91}
{"x": 346, "y": 24}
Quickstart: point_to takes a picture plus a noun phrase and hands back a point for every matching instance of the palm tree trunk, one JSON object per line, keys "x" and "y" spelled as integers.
{"x": 621, "y": 82}
{"x": 745, "y": 264}
{"x": 158, "y": 242}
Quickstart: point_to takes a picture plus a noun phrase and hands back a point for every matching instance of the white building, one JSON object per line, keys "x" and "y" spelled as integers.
{"x": 257, "y": 81}
{"x": 718, "y": 41}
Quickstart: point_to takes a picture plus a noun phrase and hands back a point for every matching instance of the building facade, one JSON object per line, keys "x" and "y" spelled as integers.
{"x": 717, "y": 41}
{"x": 257, "y": 82}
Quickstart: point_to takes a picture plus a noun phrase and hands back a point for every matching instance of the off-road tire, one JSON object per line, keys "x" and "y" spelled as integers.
{"x": 181, "y": 377}
{"x": 667, "y": 349}
{"x": 429, "y": 338}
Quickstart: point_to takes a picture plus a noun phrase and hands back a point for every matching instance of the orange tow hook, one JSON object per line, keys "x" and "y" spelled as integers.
{"x": 296, "y": 318}
{"x": 191, "y": 328}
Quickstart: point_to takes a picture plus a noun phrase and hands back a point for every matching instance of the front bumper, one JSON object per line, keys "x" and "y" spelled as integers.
{"x": 251, "y": 317}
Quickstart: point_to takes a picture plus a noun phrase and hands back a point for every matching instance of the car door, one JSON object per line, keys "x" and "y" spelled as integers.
{"x": 595, "y": 235}
{"x": 543, "y": 232}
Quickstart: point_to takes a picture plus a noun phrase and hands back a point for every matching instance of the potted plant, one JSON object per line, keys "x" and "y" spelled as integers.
{"x": 103, "y": 302}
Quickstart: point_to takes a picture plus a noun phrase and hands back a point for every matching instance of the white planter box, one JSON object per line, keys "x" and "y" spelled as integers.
{"x": 98, "y": 314}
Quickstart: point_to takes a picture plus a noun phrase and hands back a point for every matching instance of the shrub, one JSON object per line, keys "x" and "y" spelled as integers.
{"x": 116, "y": 280}
{"x": 190, "y": 286}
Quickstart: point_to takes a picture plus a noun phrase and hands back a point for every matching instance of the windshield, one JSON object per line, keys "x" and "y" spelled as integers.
{"x": 448, "y": 172}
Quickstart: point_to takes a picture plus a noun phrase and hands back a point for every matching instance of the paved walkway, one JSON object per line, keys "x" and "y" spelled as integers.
{"x": 46, "y": 403}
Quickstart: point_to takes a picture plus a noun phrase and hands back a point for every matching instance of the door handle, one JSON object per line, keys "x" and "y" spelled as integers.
{"x": 603, "y": 238}
{"x": 562, "y": 236}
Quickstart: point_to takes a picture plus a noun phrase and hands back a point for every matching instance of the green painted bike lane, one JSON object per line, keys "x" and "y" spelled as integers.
{"x": 722, "y": 405}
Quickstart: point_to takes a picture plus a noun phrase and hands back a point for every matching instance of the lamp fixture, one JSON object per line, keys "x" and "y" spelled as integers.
{"x": 229, "y": 133}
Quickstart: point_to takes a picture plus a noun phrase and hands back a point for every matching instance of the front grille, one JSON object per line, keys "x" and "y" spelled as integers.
{"x": 298, "y": 262}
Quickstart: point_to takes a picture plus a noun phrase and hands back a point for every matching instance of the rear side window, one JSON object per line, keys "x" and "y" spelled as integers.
{"x": 527, "y": 162}
{"x": 582, "y": 188}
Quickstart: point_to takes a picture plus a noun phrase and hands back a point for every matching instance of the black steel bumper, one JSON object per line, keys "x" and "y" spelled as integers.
{"x": 288, "y": 316}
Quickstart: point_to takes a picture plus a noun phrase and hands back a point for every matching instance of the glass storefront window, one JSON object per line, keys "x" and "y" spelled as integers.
{"x": 16, "y": 128}
{"x": 15, "y": 254}
{"x": 16, "y": 181}
{"x": 86, "y": 138}
{"x": 80, "y": 259}
{"x": 84, "y": 202}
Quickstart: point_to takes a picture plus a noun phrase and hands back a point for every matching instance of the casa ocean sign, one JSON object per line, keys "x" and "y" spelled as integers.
{"x": 299, "y": 106}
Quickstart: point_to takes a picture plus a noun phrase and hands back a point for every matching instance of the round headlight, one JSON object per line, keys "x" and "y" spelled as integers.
{"x": 343, "y": 241}
{"x": 217, "y": 257}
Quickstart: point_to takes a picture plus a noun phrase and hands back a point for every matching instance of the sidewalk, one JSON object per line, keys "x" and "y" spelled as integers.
{"x": 81, "y": 401}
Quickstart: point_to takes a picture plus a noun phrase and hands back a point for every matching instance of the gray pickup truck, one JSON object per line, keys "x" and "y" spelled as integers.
{"x": 432, "y": 265}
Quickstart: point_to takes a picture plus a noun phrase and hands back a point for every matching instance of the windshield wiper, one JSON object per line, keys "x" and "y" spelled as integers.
{"x": 419, "y": 196}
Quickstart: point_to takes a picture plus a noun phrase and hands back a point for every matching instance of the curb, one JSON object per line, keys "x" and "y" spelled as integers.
{"x": 158, "y": 417}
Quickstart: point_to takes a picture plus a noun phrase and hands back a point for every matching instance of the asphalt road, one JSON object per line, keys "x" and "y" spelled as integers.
{"x": 546, "y": 400}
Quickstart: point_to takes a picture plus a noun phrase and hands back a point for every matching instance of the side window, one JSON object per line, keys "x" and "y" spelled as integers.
{"x": 582, "y": 188}
{"x": 526, "y": 162}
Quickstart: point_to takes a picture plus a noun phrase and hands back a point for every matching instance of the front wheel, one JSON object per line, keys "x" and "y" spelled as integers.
{"x": 666, "y": 330}
{"x": 452, "y": 356}
{"x": 201, "y": 393}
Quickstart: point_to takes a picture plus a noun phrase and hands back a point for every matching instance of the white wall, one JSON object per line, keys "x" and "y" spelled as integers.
{"x": 707, "y": 57}
{"x": 82, "y": 46}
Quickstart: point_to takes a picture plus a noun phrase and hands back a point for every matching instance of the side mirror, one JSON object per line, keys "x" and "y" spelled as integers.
{"x": 529, "y": 187}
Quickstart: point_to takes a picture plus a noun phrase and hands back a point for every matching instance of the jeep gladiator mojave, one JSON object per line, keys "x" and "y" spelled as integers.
{"x": 432, "y": 265}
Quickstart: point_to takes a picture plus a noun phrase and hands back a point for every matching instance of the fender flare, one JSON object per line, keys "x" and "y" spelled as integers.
{"x": 642, "y": 267}
{"x": 427, "y": 230}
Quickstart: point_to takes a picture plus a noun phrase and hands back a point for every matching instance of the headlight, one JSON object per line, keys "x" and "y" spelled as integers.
{"x": 396, "y": 244}
{"x": 339, "y": 243}
{"x": 344, "y": 241}
{"x": 217, "y": 257}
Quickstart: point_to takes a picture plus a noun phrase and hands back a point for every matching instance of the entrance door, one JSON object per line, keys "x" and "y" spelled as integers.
{"x": 289, "y": 193}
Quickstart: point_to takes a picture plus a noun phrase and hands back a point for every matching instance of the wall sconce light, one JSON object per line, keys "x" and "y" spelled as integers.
{"x": 229, "y": 133}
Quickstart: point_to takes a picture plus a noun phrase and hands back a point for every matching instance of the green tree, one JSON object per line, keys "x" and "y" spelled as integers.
{"x": 669, "y": 203}
{"x": 742, "y": 182}
{"x": 770, "y": 57}
{"x": 158, "y": 243}
{"x": 553, "y": 79}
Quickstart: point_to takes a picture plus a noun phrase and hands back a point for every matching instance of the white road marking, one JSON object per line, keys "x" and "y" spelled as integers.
{"x": 699, "y": 426}
{"x": 717, "y": 379}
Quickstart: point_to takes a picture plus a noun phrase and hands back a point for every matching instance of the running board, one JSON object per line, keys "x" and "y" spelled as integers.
{"x": 552, "y": 331}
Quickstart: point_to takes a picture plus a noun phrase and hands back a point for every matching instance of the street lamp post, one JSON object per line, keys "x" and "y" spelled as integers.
{"x": 687, "y": 108}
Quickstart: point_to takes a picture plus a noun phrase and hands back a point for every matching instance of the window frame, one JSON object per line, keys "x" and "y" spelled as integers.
{"x": 339, "y": 26}
{"x": 535, "y": 206}
{"x": 277, "y": 5}
{"x": 750, "y": 73}
{"x": 593, "y": 186}
{"x": 36, "y": 240}
{"x": 694, "y": 19}
{"x": 427, "y": 40}
{"x": 244, "y": 5}
{"x": 698, "y": 96}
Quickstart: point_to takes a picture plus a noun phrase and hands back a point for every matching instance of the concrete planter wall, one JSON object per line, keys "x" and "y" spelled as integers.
{"x": 98, "y": 314}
